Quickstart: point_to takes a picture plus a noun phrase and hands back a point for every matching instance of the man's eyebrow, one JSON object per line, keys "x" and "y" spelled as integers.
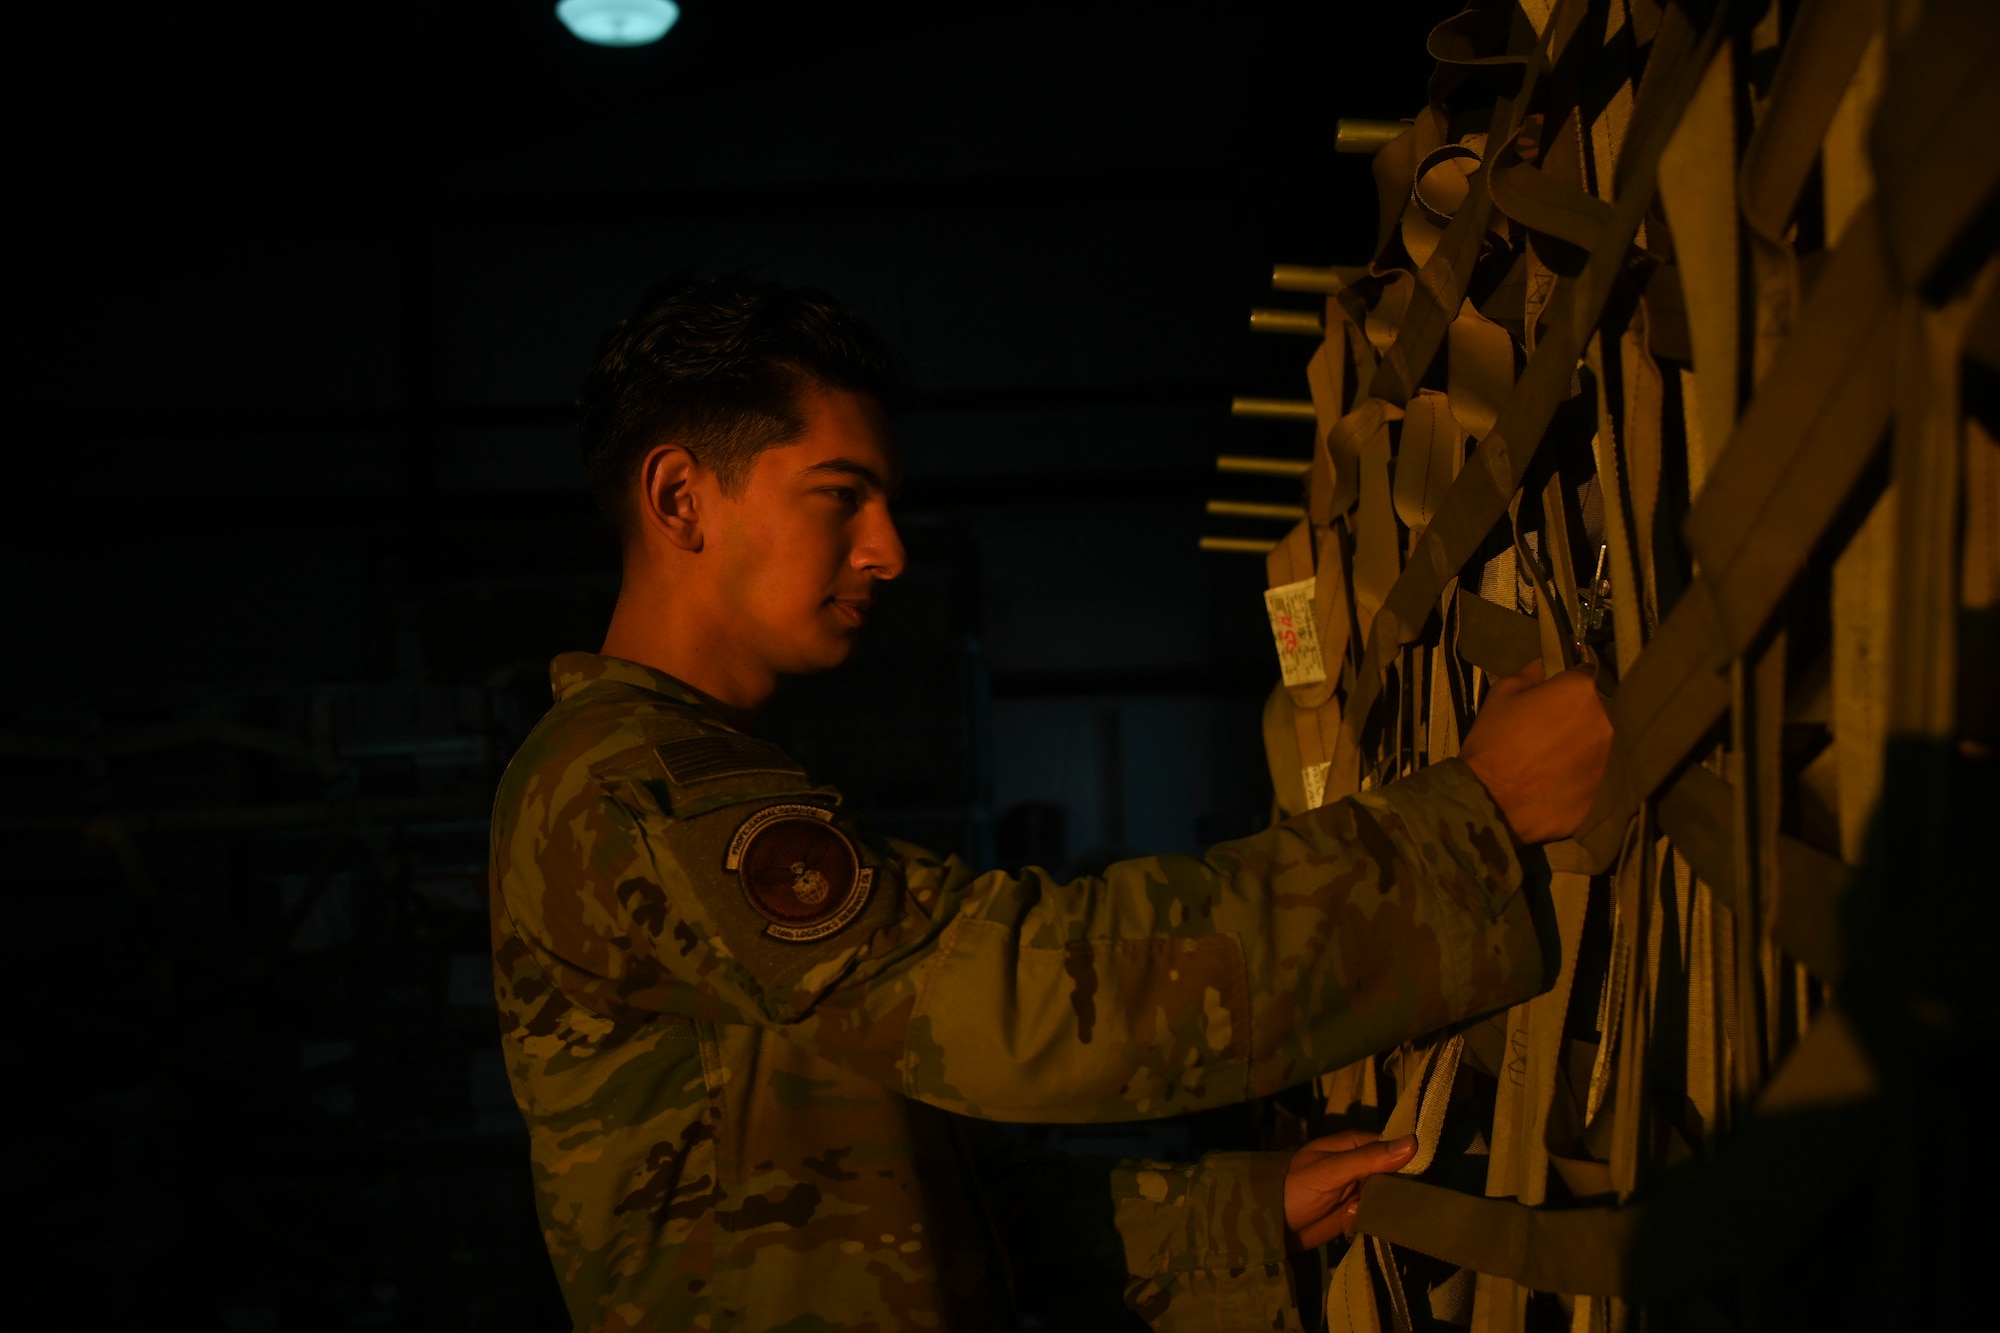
{"x": 847, "y": 467}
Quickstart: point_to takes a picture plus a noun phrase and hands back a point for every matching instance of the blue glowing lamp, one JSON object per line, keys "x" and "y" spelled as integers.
{"x": 619, "y": 22}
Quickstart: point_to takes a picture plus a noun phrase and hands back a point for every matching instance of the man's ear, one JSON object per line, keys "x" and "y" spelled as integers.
{"x": 667, "y": 501}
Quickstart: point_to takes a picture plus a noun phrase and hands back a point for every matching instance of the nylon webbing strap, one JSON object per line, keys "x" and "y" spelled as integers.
{"x": 1801, "y": 455}
{"x": 1694, "y": 812}
{"x": 1932, "y": 148}
{"x": 1698, "y": 195}
{"x": 1494, "y": 639}
{"x": 1427, "y": 1077}
{"x": 1479, "y": 497}
{"x": 1441, "y": 283}
{"x": 1591, "y": 1250}
{"x": 1739, "y": 404}
{"x": 1813, "y": 425}
{"x": 1573, "y": 1249}
{"x": 1350, "y": 1295}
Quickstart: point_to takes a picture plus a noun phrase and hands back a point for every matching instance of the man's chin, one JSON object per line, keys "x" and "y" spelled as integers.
{"x": 824, "y": 654}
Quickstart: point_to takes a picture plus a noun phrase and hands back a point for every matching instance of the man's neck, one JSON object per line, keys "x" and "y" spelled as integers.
{"x": 688, "y": 642}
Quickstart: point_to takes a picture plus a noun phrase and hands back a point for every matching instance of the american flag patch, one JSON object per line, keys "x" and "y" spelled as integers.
{"x": 712, "y": 756}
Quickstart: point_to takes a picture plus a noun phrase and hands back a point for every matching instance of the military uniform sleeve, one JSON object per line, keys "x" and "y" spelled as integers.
{"x": 1095, "y": 1240}
{"x": 1205, "y": 1242}
{"x": 725, "y": 891}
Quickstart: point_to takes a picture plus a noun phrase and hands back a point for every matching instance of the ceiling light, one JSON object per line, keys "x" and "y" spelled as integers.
{"x": 618, "y": 22}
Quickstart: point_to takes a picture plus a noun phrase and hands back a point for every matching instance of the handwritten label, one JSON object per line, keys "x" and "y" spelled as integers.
{"x": 1315, "y": 778}
{"x": 1291, "y": 609}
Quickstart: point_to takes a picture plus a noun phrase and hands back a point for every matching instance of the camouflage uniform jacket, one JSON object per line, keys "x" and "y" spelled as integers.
{"x": 739, "y": 1025}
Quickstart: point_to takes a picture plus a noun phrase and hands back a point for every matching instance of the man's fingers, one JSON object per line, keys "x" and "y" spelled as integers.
{"x": 1339, "y": 1222}
{"x": 1375, "y": 1158}
{"x": 1506, "y": 687}
{"x": 1337, "y": 1171}
{"x": 1386, "y": 1156}
{"x": 1344, "y": 1141}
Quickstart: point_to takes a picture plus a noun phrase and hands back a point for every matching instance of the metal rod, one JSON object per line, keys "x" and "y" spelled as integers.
{"x": 1307, "y": 323}
{"x": 1245, "y": 545}
{"x": 1353, "y": 135}
{"x": 1306, "y": 278}
{"x": 1254, "y": 509}
{"x": 1262, "y": 467}
{"x": 1274, "y": 409}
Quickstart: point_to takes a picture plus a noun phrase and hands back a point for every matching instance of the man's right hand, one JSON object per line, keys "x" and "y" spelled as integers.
{"x": 1540, "y": 748}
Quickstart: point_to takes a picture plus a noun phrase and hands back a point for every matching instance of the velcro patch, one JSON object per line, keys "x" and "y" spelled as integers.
{"x": 799, "y": 872}
{"x": 714, "y": 755}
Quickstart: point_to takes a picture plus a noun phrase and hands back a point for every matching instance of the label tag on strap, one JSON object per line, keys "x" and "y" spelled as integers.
{"x": 1291, "y": 609}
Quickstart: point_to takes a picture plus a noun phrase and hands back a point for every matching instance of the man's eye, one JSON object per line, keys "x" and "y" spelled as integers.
{"x": 847, "y": 496}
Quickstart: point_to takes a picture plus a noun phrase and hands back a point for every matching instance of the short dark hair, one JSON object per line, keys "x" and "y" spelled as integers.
{"x": 716, "y": 367}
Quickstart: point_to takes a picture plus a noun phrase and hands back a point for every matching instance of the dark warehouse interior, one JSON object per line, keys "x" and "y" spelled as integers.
{"x": 301, "y": 297}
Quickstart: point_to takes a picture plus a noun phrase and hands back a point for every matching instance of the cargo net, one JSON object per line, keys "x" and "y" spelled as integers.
{"x": 1672, "y": 358}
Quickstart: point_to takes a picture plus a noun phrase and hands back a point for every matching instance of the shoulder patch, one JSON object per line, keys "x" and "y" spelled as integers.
{"x": 714, "y": 755}
{"x": 799, "y": 872}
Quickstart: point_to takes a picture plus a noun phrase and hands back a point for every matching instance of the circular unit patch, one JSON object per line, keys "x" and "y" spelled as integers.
{"x": 799, "y": 872}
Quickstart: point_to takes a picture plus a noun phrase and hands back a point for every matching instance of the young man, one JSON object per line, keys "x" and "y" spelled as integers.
{"x": 742, "y": 1027}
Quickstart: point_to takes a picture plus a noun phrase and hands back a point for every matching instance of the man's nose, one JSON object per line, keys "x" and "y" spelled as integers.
{"x": 880, "y": 550}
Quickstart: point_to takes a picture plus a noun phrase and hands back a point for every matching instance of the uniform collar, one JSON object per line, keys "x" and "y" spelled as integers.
{"x": 572, "y": 673}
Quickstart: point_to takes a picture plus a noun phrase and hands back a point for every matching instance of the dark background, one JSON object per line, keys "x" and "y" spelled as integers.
{"x": 298, "y": 300}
